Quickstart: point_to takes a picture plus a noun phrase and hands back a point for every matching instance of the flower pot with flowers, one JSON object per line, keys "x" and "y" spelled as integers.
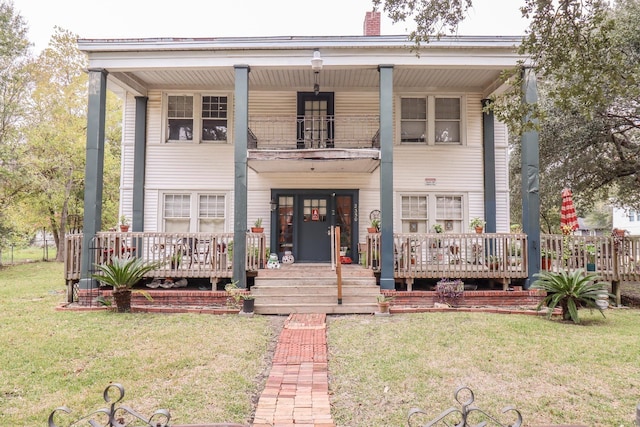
{"x": 124, "y": 223}
{"x": 374, "y": 225}
{"x": 477, "y": 224}
{"x": 384, "y": 302}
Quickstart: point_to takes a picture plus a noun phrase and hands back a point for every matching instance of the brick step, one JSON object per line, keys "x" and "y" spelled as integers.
{"x": 330, "y": 289}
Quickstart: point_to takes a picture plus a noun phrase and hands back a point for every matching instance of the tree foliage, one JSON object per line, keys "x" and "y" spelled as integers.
{"x": 56, "y": 137}
{"x": 586, "y": 55}
{"x": 14, "y": 85}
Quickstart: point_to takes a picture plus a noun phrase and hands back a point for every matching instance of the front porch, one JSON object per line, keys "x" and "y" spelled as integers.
{"x": 489, "y": 257}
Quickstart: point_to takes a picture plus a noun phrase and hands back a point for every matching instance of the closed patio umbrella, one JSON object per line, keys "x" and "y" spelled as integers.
{"x": 568, "y": 217}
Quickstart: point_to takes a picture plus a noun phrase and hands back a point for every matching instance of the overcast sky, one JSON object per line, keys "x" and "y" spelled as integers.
{"x": 222, "y": 18}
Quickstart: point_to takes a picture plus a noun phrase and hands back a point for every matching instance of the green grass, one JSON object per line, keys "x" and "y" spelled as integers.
{"x": 553, "y": 372}
{"x": 21, "y": 254}
{"x": 203, "y": 368}
{"x": 206, "y": 368}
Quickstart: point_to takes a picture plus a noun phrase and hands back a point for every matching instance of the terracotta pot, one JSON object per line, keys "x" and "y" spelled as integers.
{"x": 383, "y": 307}
{"x": 479, "y": 230}
{"x": 124, "y": 228}
{"x": 257, "y": 229}
{"x": 372, "y": 230}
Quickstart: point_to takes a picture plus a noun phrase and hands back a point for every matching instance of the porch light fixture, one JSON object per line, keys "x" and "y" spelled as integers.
{"x": 316, "y": 66}
{"x": 273, "y": 204}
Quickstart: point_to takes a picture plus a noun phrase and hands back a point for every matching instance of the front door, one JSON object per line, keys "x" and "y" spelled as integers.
{"x": 314, "y": 226}
{"x": 303, "y": 218}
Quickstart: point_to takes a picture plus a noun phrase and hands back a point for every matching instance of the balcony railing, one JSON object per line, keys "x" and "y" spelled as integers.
{"x": 298, "y": 132}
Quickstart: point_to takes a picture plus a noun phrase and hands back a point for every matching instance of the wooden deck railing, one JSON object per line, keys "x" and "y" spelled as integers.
{"x": 432, "y": 256}
{"x": 613, "y": 259}
{"x": 490, "y": 255}
{"x": 179, "y": 254}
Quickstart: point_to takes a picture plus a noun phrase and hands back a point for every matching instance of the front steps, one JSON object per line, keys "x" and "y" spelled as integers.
{"x": 312, "y": 288}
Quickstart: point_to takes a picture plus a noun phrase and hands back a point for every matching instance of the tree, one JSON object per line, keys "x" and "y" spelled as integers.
{"x": 586, "y": 56}
{"x": 14, "y": 80}
{"x": 56, "y": 136}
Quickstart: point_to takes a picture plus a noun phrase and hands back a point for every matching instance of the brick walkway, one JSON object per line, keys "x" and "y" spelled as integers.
{"x": 297, "y": 391}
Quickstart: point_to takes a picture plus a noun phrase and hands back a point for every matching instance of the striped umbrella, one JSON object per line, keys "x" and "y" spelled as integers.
{"x": 568, "y": 217}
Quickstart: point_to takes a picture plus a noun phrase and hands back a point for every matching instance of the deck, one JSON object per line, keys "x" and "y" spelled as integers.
{"x": 498, "y": 256}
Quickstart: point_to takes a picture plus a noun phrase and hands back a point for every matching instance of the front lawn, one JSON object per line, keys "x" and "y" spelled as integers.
{"x": 203, "y": 368}
{"x": 553, "y": 372}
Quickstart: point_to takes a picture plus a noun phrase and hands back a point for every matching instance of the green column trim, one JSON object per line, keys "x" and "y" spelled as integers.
{"x": 387, "y": 265}
{"x": 489, "y": 169}
{"x": 139, "y": 163}
{"x": 241, "y": 125}
{"x": 93, "y": 172}
{"x": 530, "y": 175}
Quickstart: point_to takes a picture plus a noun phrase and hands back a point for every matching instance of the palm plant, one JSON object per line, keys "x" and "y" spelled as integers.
{"x": 122, "y": 274}
{"x": 570, "y": 290}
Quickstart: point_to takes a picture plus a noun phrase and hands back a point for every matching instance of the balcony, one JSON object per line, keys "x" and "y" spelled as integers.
{"x": 314, "y": 144}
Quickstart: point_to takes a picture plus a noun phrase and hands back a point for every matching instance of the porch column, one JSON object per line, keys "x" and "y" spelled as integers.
{"x": 139, "y": 163}
{"x": 530, "y": 175}
{"x": 240, "y": 126}
{"x": 489, "y": 157}
{"x": 386, "y": 176}
{"x": 93, "y": 172}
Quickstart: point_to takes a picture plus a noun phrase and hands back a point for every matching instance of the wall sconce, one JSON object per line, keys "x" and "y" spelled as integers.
{"x": 316, "y": 66}
{"x": 274, "y": 205}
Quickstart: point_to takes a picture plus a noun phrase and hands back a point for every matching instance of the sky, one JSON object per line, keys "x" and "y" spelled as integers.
{"x": 114, "y": 19}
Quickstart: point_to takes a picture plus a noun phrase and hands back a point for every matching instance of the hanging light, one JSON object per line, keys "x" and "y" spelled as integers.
{"x": 316, "y": 66}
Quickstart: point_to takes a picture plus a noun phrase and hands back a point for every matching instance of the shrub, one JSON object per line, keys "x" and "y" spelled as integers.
{"x": 569, "y": 290}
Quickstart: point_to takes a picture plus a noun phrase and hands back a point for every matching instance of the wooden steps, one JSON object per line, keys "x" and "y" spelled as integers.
{"x": 312, "y": 288}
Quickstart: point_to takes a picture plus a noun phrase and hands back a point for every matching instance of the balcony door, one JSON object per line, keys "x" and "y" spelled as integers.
{"x": 315, "y": 120}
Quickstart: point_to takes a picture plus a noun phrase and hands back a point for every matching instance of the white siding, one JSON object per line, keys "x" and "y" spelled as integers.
{"x": 127, "y": 156}
{"x": 192, "y": 167}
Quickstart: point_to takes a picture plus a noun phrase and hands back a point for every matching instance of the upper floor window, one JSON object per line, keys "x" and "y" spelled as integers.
{"x": 633, "y": 215}
{"x": 447, "y": 121}
{"x": 431, "y": 119}
{"x": 196, "y": 116}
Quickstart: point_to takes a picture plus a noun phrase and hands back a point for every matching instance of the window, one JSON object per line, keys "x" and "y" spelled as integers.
{"x": 187, "y": 212}
{"x": 414, "y": 120}
{"x": 211, "y": 213}
{"x": 414, "y": 214}
{"x": 214, "y": 118}
{"x": 449, "y": 213}
{"x": 180, "y": 118}
{"x": 431, "y": 120}
{"x": 202, "y": 116}
{"x": 633, "y": 215}
{"x": 447, "y": 126}
{"x": 176, "y": 215}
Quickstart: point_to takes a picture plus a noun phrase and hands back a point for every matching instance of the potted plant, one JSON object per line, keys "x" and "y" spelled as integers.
{"x": 124, "y": 223}
{"x": 374, "y": 226}
{"x": 383, "y": 303}
{"x": 236, "y": 295}
{"x": 493, "y": 262}
{"x": 257, "y": 226}
{"x": 122, "y": 274}
{"x": 570, "y": 291}
{"x": 477, "y": 224}
{"x": 437, "y": 242}
{"x": 590, "y": 248}
{"x": 547, "y": 255}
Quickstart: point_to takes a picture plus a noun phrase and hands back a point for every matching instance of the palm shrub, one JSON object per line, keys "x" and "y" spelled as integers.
{"x": 570, "y": 290}
{"x": 122, "y": 274}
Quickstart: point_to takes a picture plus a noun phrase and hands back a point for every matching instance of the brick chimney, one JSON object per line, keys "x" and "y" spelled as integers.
{"x": 372, "y": 24}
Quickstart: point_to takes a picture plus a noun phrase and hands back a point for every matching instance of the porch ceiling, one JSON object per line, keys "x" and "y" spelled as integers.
{"x": 466, "y": 79}
{"x": 314, "y": 161}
